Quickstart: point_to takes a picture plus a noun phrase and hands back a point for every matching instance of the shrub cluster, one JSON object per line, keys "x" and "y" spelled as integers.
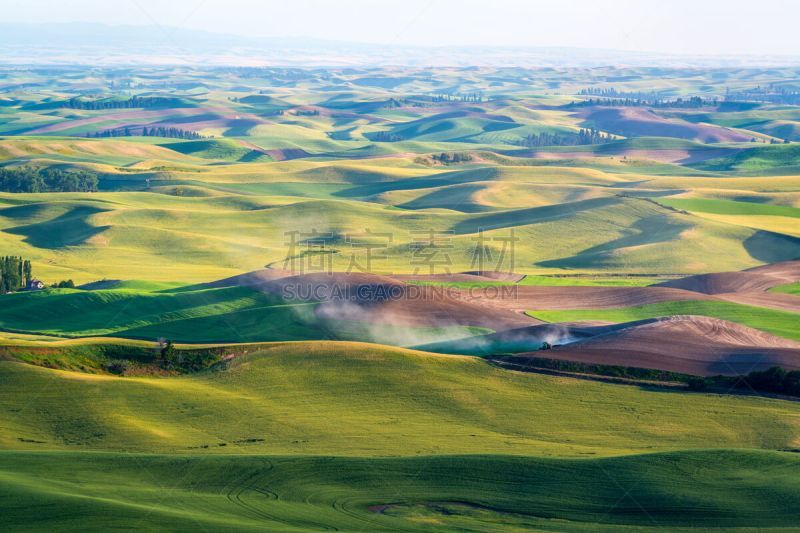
{"x": 32, "y": 180}
{"x": 186, "y": 360}
{"x": 584, "y": 137}
{"x": 455, "y": 157}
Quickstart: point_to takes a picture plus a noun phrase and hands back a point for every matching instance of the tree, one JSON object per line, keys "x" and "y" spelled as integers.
{"x": 770, "y": 379}
{"x": 455, "y": 157}
{"x": 117, "y": 366}
{"x": 35, "y": 180}
{"x": 168, "y": 355}
{"x": 696, "y": 384}
{"x": 583, "y": 137}
{"x": 160, "y": 131}
{"x": 15, "y": 274}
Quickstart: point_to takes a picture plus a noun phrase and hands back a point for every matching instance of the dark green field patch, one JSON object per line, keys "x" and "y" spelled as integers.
{"x": 782, "y": 323}
{"x": 673, "y": 491}
{"x": 730, "y": 207}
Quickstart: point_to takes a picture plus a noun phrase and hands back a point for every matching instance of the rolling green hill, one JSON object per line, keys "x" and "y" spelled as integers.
{"x": 195, "y": 315}
{"x": 201, "y": 238}
{"x": 452, "y": 127}
{"x": 713, "y": 489}
{"x": 224, "y": 149}
{"x": 757, "y": 159}
{"x": 295, "y": 398}
{"x": 265, "y": 416}
{"x": 728, "y": 207}
{"x": 232, "y": 314}
{"x": 291, "y": 401}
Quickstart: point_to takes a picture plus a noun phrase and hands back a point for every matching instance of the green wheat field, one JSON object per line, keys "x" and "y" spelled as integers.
{"x": 150, "y": 386}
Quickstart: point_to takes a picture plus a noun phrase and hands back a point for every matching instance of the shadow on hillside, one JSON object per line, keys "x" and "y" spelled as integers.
{"x": 68, "y": 229}
{"x": 425, "y": 182}
{"x": 769, "y": 247}
{"x": 650, "y": 230}
{"x": 533, "y": 215}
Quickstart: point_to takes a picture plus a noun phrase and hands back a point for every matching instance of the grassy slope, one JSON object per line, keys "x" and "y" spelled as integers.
{"x": 193, "y": 314}
{"x": 98, "y": 492}
{"x": 318, "y": 399}
{"x": 774, "y": 218}
{"x": 222, "y": 149}
{"x": 790, "y": 288}
{"x": 782, "y": 323}
{"x": 368, "y": 400}
{"x": 409, "y": 418}
{"x": 233, "y": 314}
{"x": 598, "y": 281}
{"x": 168, "y": 238}
{"x": 756, "y": 159}
{"x": 231, "y": 219}
{"x": 728, "y": 207}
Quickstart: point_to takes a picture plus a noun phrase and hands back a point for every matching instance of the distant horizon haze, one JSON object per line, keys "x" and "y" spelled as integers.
{"x": 678, "y": 27}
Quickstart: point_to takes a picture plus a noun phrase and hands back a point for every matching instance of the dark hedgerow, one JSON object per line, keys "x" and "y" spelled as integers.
{"x": 774, "y": 380}
{"x": 33, "y": 180}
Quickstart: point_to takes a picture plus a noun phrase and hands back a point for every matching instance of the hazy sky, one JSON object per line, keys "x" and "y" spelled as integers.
{"x": 676, "y": 26}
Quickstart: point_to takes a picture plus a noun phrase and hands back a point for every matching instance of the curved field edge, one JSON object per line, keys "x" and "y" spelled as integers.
{"x": 101, "y": 491}
{"x": 781, "y": 323}
{"x": 226, "y": 315}
{"x": 167, "y": 237}
{"x": 789, "y": 288}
